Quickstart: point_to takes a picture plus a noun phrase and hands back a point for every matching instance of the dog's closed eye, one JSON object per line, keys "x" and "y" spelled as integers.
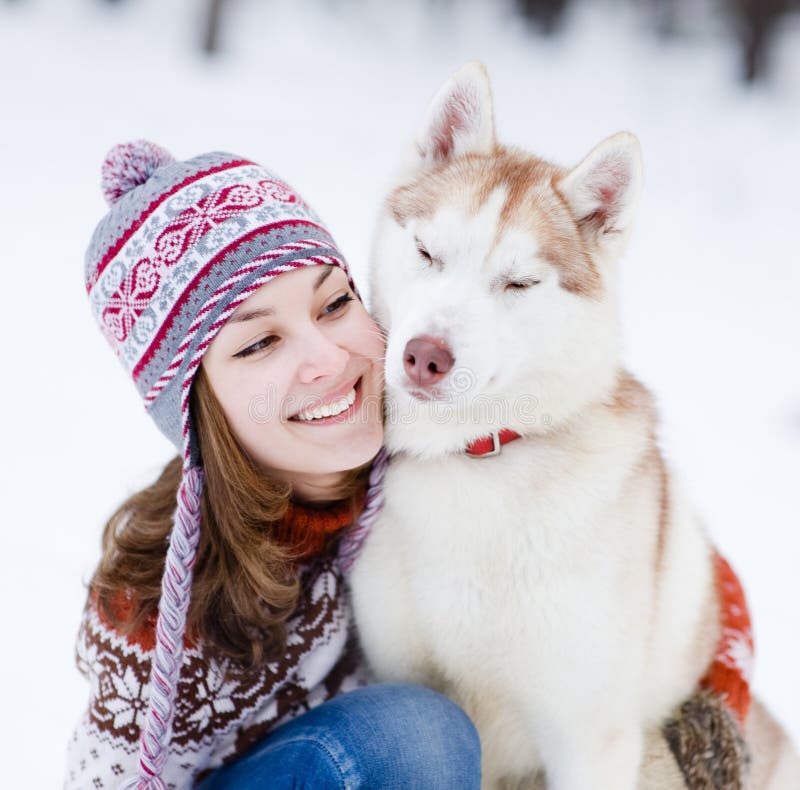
{"x": 423, "y": 253}
{"x": 520, "y": 285}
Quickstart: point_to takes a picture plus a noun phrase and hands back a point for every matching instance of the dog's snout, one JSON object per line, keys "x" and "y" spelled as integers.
{"x": 427, "y": 360}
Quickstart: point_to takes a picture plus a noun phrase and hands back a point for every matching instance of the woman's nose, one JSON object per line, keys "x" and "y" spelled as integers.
{"x": 321, "y": 358}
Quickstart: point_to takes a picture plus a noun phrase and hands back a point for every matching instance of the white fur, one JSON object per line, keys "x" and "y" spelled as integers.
{"x": 526, "y": 585}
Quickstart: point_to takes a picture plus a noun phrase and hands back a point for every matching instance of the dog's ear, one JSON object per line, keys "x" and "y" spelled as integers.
{"x": 459, "y": 119}
{"x": 603, "y": 189}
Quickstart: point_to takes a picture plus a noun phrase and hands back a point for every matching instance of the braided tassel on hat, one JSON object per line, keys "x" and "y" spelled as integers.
{"x": 170, "y": 630}
{"x": 176, "y": 588}
{"x": 353, "y": 541}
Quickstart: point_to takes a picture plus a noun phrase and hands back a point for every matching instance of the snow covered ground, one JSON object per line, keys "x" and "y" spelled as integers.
{"x": 328, "y": 94}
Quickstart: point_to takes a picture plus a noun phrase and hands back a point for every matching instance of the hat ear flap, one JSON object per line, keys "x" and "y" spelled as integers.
{"x": 459, "y": 120}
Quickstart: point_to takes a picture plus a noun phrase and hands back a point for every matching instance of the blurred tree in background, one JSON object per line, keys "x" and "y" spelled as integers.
{"x": 213, "y": 22}
{"x": 753, "y": 22}
{"x": 545, "y": 14}
{"x": 756, "y": 23}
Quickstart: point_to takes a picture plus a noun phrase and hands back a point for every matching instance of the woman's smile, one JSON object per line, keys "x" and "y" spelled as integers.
{"x": 333, "y": 408}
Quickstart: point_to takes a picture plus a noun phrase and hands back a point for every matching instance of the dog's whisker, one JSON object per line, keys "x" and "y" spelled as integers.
{"x": 379, "y": 333}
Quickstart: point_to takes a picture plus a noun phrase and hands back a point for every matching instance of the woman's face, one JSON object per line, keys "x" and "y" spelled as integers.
{"x": 298, "y": 371}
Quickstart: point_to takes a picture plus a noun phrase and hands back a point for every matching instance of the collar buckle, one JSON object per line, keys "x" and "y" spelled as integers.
{"x": 496, "y": 446}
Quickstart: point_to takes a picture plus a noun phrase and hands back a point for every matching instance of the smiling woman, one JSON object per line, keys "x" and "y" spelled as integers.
{"x": 217, "y": 636}
{"x": 296, "y": 371}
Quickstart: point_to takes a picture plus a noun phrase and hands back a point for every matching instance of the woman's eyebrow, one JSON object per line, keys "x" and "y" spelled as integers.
{"x": 324, "y": 276}
{"x": 262, "y": 312}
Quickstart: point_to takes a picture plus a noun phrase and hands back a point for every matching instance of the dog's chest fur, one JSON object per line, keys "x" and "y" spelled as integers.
{"x": 536, "y": 544}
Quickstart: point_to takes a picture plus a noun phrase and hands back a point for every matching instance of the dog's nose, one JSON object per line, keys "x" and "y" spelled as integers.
{"x": 427, "y": 360}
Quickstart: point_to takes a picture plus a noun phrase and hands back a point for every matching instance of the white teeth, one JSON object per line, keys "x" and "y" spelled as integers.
{"x": 329, "y": 409}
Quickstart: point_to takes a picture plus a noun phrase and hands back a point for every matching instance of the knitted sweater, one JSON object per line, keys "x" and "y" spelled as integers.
{"x": 221, "y": 710}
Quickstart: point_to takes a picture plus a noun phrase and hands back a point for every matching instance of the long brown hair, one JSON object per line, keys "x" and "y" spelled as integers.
{"x": 245, "y": 582}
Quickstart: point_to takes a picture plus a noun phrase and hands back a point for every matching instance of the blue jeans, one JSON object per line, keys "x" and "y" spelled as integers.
{"x": 383, "y": 736}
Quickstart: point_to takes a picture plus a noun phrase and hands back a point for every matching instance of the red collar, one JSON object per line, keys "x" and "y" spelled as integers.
{"x": 491, "y": 444}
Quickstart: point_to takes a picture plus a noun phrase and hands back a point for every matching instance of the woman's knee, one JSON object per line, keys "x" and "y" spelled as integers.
{"x": 428, "y": 716}
{"x": 296, "y": 763}
{"x": 408, "y": 736}
{"x": 385, "y": 735}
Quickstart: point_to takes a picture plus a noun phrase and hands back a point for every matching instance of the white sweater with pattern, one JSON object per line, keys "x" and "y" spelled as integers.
{"x": 220, "y": 712}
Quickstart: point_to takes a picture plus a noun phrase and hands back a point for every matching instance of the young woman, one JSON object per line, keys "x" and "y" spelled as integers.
{"x": 216, "y": 637}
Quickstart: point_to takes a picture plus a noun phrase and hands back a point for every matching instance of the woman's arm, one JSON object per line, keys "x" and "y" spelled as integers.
{"x": 104, "y": 747}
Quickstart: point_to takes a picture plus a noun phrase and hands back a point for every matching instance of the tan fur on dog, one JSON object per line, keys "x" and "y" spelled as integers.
{"x": 532, "y": 203}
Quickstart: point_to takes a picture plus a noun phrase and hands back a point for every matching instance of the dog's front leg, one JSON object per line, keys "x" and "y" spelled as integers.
{"x": 387, "y": 621}
{"x": 599, "y": 760}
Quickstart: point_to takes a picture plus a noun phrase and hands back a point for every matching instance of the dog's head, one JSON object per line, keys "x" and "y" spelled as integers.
{"x": 493, "y": 273}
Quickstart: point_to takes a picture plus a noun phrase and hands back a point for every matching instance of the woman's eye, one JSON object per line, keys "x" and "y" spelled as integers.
{"x": 259, "y": 345}
{"x": 338, "y": 304}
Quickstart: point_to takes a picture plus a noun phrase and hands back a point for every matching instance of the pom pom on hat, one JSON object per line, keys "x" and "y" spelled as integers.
{"x": 128, "y": 165}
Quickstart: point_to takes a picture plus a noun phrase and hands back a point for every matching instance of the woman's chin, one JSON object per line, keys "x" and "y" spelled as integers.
{"x": 359, "y": 450}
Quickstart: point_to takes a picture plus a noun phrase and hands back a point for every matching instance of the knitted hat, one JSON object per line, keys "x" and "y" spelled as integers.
{"x": 183, "y": 244}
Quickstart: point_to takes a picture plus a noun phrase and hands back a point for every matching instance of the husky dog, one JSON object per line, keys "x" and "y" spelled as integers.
{"x": 561, "y": 589}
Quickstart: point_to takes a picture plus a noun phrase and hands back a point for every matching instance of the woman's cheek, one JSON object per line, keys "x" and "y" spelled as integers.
{"x": 374, "y": 343}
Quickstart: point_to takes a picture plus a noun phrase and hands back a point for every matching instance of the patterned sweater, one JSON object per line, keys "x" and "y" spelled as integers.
{"x": 221, "y": 709}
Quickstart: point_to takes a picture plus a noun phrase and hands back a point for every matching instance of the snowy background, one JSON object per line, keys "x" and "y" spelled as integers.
{"x": 329, "y": 94}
